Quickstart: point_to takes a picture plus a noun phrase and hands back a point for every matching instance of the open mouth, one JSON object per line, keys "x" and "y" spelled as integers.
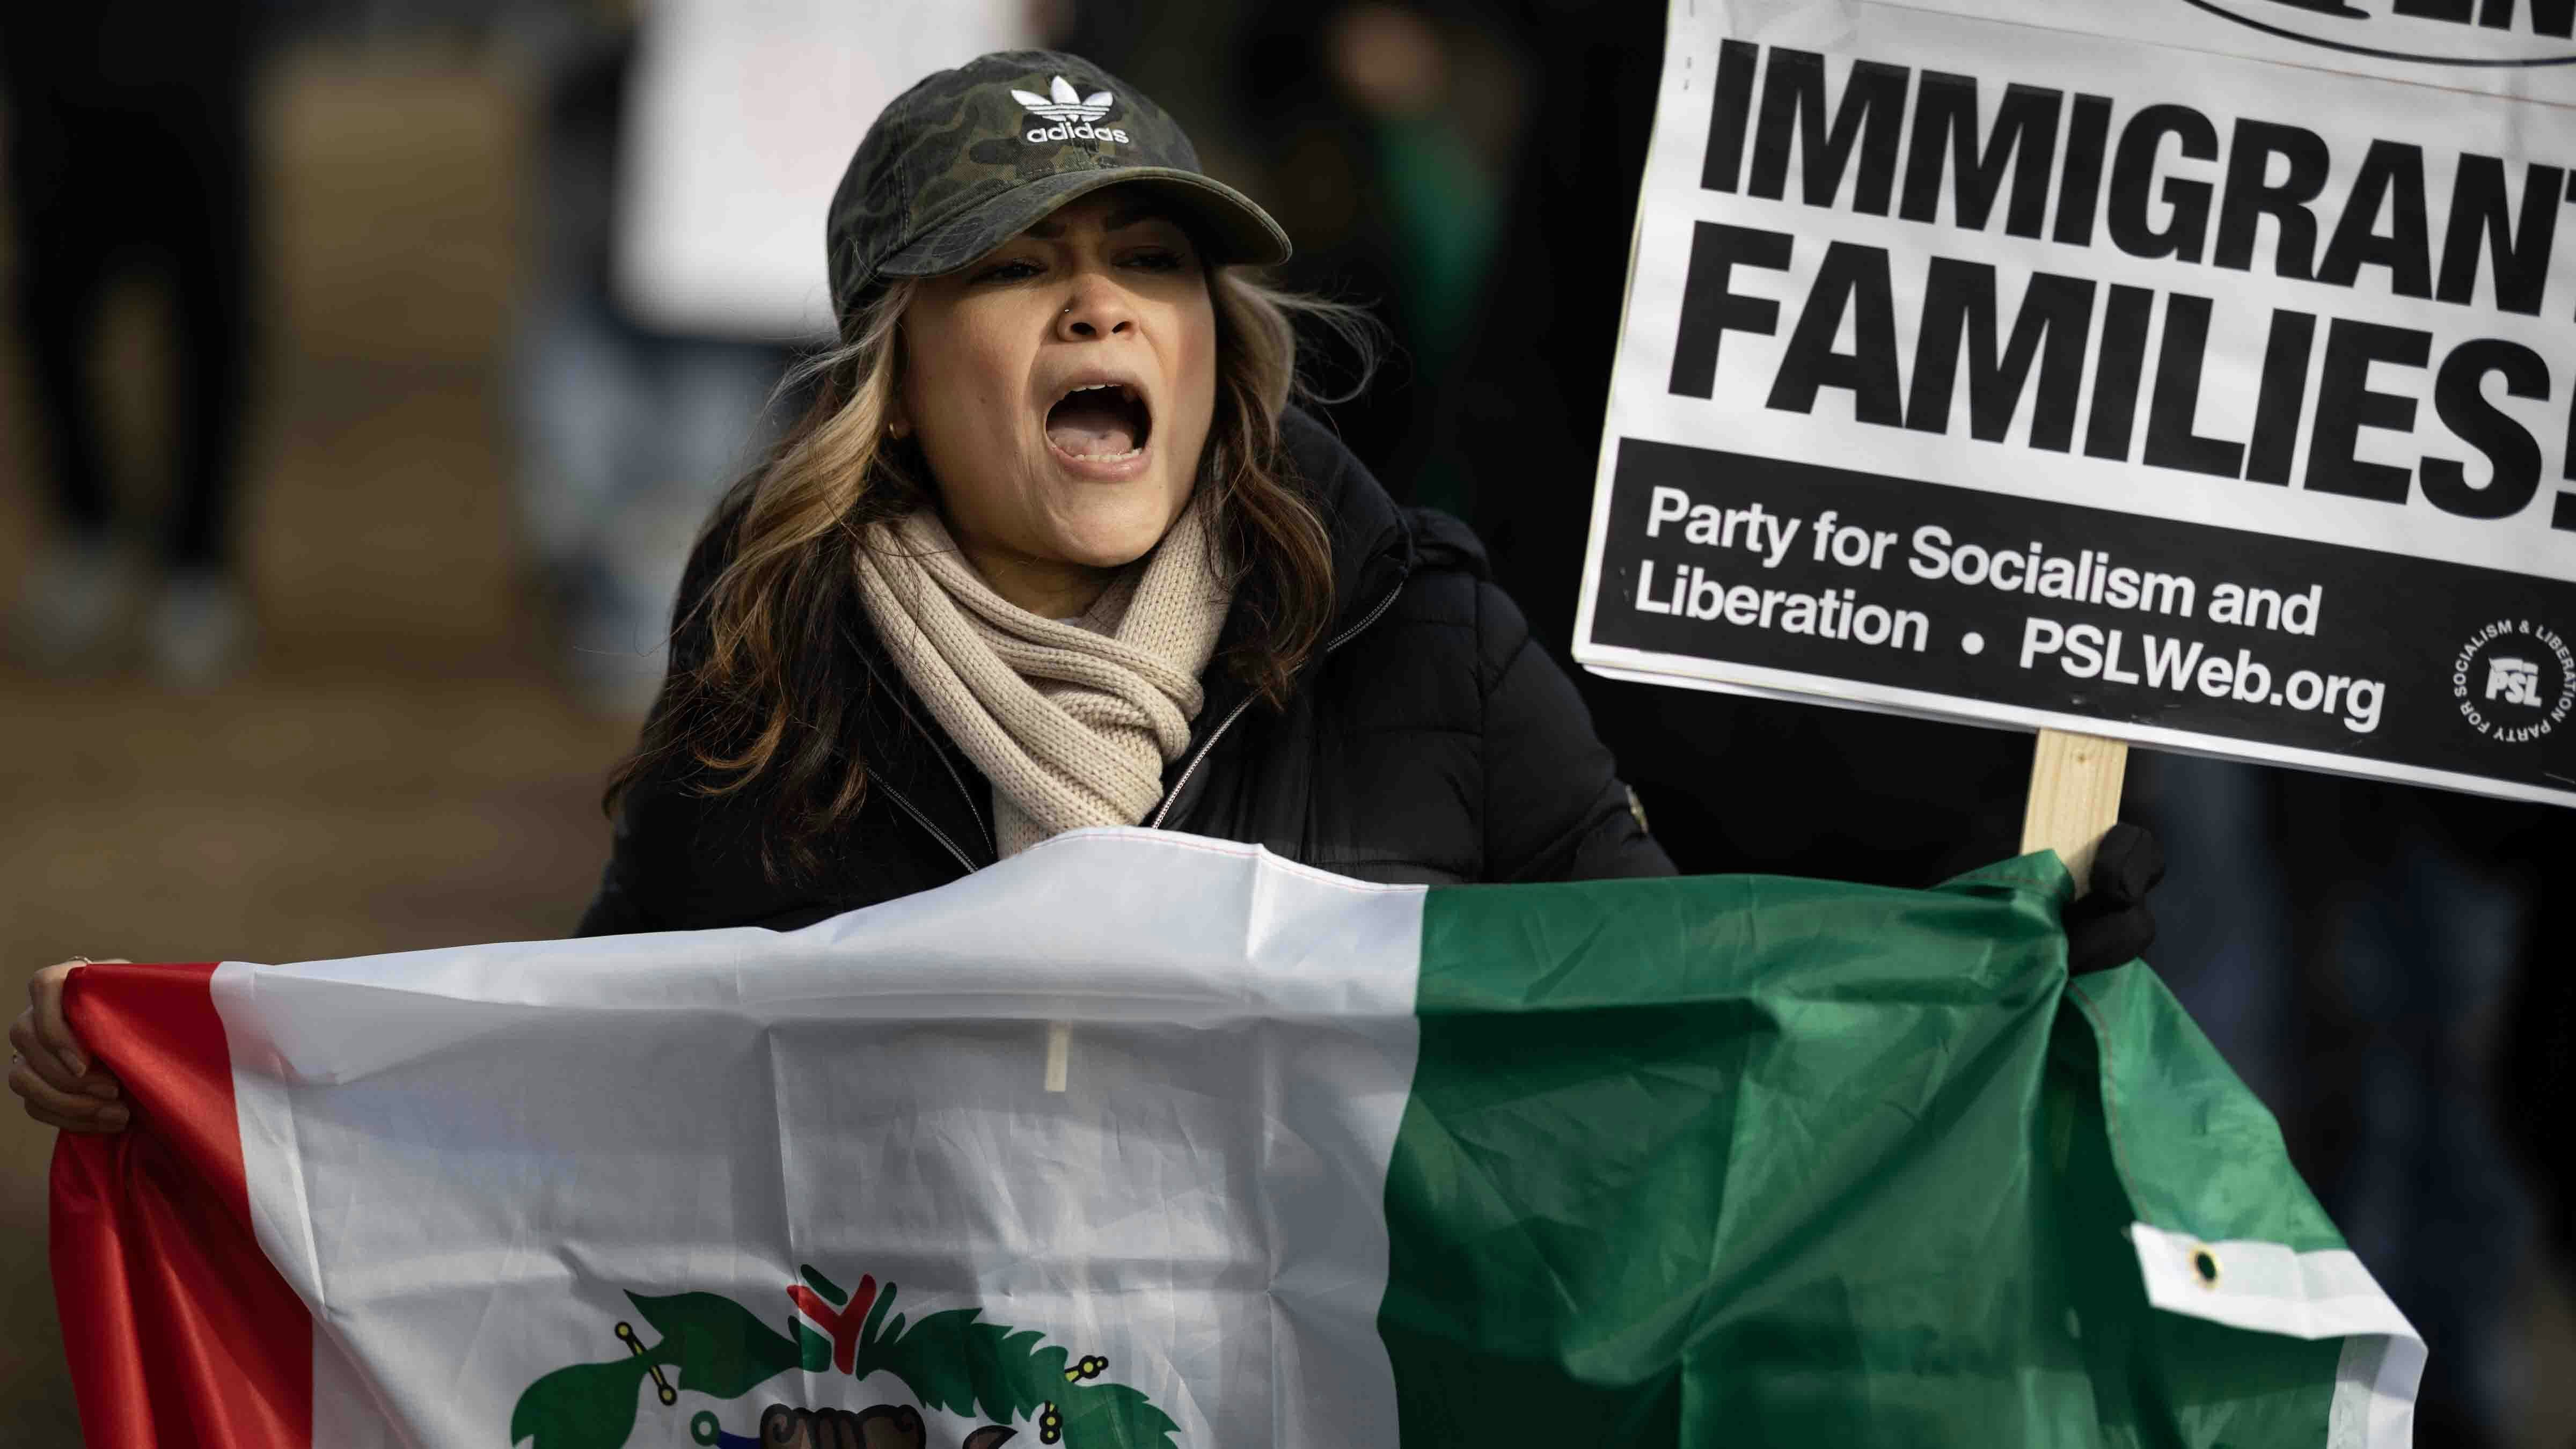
{"x": 1104, "y": 422}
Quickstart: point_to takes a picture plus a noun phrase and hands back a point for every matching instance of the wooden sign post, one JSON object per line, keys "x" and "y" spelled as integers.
{"x": 2074, "y": 798}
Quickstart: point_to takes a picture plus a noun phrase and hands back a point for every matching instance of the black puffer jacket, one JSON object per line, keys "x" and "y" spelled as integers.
{"x": 1432, "y": 742}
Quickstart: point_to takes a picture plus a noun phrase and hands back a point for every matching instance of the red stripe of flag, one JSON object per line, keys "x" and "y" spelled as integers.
{"x": 179, "y": 1329}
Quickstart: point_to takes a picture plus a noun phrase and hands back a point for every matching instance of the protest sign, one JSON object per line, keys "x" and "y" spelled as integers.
{"x": 2062, "y": 379}
{"x": 1334, "y": 1173}
{"x": 739, "y": 121}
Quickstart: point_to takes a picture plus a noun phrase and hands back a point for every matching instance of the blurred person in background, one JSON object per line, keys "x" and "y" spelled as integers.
{"x": 2384, "y": 965}
{"x": 130, "y": 139}
{"x": 625, "y": 431}
{"x": 2536, "y": 1061}
{"x": 2410, "y": 916}
{"x": 680, "y": 159}
{"x": 1383, "y": 128}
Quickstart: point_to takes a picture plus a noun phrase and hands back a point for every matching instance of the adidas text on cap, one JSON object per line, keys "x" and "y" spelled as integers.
{"x": 971, "y": 157}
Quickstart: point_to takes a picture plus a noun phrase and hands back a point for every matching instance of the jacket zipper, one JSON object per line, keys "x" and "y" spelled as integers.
{"x": 1164, "y": 811}
{"x": 973, "y": 811}
{"x": 1336, "y": 642}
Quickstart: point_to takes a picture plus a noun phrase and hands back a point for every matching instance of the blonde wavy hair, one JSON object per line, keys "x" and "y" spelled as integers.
{"x": 767, "y": 684}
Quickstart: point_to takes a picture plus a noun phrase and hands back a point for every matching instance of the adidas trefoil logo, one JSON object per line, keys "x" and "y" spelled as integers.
{"x": 1072, "y": 112}
{"x": 1067, "y": 104}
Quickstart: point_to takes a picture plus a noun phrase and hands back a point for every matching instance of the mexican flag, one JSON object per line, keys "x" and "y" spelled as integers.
{"x": 1734, "y": 1160}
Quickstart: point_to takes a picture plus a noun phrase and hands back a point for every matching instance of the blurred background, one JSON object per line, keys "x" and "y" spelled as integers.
{"x": 367, "y": 365}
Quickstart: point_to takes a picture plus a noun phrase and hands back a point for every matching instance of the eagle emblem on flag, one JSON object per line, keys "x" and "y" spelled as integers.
{"x": 952, "y": 1361}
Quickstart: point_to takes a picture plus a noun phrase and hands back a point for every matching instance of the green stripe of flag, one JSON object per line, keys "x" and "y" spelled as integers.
{"x": 1748, "y": 1160}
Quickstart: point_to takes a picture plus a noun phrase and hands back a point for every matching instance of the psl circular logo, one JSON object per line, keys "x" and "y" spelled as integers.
{"x": 2428, "y": 32}
{"x": 2514, "y": 680}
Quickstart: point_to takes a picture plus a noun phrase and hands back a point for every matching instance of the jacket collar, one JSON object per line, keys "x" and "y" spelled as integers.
{"x": 1372, "y": 545}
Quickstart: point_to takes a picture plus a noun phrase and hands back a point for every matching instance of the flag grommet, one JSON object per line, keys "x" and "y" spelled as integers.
{"x": 2204, "y": 1265}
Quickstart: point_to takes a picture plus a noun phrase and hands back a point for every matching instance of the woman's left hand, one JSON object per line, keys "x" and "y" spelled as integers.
{"x": 2111, "y": 925}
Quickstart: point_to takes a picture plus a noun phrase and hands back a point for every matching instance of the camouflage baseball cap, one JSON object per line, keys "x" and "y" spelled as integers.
{"x": 970, "y": 157}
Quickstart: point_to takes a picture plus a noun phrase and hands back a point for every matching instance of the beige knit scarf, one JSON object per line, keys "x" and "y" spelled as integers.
{"x": 1072, "y": 720}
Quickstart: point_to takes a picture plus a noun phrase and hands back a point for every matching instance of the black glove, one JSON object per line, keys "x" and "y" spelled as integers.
{"x": 2110, "y": 924}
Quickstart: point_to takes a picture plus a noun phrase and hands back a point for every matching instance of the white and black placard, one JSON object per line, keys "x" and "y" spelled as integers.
{"x": 739, "y": 120}
{"x": 2036, "y": 377}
